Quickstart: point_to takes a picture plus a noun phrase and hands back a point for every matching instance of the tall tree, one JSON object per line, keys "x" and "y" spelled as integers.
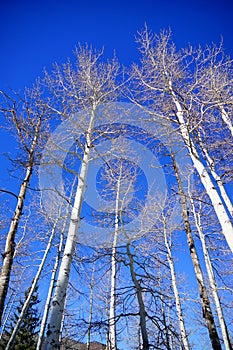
{"x": 28, "y": 119}
{"x": 206, "y": 305}
{"x": 142, "y": 309}
{"x": 86, "y": 87}
{"x": 184, "y": 336}
{"x": 168, "y": 87}
{"x": 211, "y": 276}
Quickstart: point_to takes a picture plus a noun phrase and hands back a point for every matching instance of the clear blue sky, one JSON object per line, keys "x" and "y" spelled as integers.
{"x": 36, "y": 33}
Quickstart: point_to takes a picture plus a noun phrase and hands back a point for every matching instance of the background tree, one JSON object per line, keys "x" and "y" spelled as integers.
{"x": 168, "y": 83}
{"x": 28, "y": 118}
{"x": 27, "y": 335}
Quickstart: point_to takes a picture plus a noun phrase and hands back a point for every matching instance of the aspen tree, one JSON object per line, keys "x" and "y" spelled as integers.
{"x": 28, "y": 117}
{"x": 87, "y": 86}
{"x": 166, "y": 86}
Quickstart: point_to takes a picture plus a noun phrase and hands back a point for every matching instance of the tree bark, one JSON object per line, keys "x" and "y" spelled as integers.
{"x": 142, "y": 310}
{"x": 224, "y": 220}
{"x": 90, "y": 310}
{"x": 216, "y": 177}
{"x": 50, "y": 292}
{"x": 206, "y": 307}
{"x": 32, "y": 290}
{"x": 184, "y": 336}
{"x": 58, "y": 302}
{"x": 226, "y": 119}
{"x": 213, "y": 286}
{"x": 112, "y": 309}
{"x": 8, "y": 255}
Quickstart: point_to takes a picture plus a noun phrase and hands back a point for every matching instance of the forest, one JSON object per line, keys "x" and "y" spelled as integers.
{"x": 117, "y": 228}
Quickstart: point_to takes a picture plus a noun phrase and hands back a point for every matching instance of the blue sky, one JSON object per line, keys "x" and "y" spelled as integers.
{"x": 36, "y": 33}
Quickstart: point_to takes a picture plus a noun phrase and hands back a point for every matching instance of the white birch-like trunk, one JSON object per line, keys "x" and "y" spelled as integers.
{"x": 226, "y": 119}
{"x": 166, "y": 330}
{"x": 183, "y": 332}
{"x": 212, "y": 281}
{"x": 58, "y": 302}
{"x": 91, "y": 309}
{"x": 112, "y": 308}
{"x": 10, "y": 305}
{"x": 217, "y": 178}
{"x": 32, "y": 290}
{"x": 49, "y": 295}
{"x": 224, "y": 220}
{"x": 53, "y": 277}
{"x": 206, "y": 306}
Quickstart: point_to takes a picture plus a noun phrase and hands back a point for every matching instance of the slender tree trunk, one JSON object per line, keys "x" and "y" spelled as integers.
{"x": 216, "y": 177}
{"x": 139, "y": 338}
{"x": 167, "y": 336}
{"x": 112, "y": 309}
{"x": 142, "y": 310}
{"x": 53, "y": 276}
{"x": 58, "y": 302}
{"x": 91, "y": 309}
{"x": 210, "y": 188}
{"x": 206, "y": 307}
{"x": 213, "y": 286}
{"x": 183, "y": 332}
{"x": 226, "y": 119}
{"x": 32, "y": 290}
{"x": 8, "y": 255}
{"x": 49, "y": 295}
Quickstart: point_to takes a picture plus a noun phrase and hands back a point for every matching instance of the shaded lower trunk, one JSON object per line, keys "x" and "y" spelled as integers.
{"x": 8, "y": 255}
{"x": 206, "y": 307}
{"x": 213, "y": 286}
{"x": 183, "y": 332}
{"x": 142, "y": 310}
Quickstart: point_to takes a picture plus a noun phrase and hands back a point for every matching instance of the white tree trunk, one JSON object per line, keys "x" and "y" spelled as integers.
{"x": 216, "y": 201}
{"x": 112, "y": 309}
{"x": 183, "y": 332}
{"x": 32, "y": 289}
{"x": 91, "y": 309}
{"x": 206, "y": 306}
{"x": 58, "y": 302}
{"x": 226, "y": 119}
{"x": 212, "y": 281}
{"x": 49, "y": 295}
{"x": 217, "y": 178}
